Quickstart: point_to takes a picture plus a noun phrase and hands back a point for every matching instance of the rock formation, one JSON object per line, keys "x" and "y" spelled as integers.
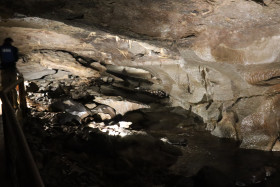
{"x": 217, "y": 58}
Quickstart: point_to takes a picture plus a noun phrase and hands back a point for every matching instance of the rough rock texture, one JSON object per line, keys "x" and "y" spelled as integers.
{"x": 121, "y": 106}
{"x": 209, "y": 56}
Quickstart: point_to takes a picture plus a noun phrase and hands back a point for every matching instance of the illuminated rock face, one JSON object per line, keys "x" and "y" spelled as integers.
{"x": 219, "y": 59}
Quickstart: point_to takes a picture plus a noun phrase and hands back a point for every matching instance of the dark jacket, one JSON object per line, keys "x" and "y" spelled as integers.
{"x": 8, "y": 56}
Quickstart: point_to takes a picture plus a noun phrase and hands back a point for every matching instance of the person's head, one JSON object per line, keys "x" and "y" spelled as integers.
{"x": 8, "y": 41}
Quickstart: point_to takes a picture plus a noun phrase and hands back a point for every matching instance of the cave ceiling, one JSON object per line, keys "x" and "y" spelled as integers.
{"x": 217, "y": 30}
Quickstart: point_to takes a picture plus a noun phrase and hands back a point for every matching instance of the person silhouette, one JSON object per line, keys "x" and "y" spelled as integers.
{"x": 8, "y": 70}
{"x": 8, "y": 54}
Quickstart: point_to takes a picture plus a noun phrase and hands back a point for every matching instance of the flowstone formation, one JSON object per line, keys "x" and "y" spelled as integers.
{"x": 218, "y": 59}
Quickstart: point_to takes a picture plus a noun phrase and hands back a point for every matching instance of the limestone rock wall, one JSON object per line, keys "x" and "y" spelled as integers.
{"x": 219, "y": 59}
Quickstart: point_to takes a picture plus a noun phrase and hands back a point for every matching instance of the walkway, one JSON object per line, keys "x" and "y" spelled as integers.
{"x": 4, "y": 178}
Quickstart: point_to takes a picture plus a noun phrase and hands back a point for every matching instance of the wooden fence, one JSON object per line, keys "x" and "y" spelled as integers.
{"x": 20, "y": 162}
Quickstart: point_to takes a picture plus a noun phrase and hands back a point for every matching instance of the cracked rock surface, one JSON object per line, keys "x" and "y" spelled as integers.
{"x": 218, "y": 59}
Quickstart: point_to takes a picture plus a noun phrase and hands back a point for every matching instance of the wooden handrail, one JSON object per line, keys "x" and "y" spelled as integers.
{"x": 13, "y": 85}
{"x": 14, "y": 132}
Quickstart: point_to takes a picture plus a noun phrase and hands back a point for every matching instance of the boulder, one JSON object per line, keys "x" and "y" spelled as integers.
{"x": 103, "y": 110}
{"x": 121, "y": 105}
{"x": 70, "y": 106}
{"x": 65, "y": 118}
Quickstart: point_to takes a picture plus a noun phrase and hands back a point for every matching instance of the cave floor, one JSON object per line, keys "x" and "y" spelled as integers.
{"x": 163, "y": 145}
{"x": 173, "y": 149}
{"x": 212, "y": 161}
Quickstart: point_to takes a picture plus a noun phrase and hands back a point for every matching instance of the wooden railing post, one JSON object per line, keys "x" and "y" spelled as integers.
{"x": 22, "y": 98}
